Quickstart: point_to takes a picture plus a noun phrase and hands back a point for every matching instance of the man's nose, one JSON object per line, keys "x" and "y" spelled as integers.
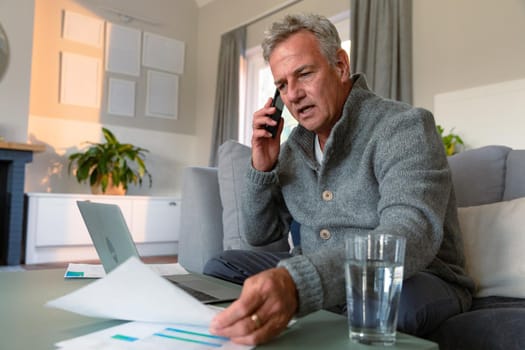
{"x": 295, "y": 92}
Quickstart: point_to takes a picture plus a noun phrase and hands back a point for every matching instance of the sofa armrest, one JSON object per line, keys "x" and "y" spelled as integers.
{"x": 515, "y": 173}
{"x": 201, "y": 232}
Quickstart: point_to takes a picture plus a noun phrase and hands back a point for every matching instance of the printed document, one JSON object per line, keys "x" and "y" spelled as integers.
{"x": 163, "y": 316}
{"x": 74, "y": 271}
{"x": 134, "y": 292}
{"x": 157, "y": 336}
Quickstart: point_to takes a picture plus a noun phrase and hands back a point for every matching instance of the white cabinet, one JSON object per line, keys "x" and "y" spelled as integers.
{"x": 56, "y": 232}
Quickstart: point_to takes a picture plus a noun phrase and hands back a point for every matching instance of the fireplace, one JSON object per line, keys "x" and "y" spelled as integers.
{"x": 13, "y": 159}
{"x": 4, "y": 210}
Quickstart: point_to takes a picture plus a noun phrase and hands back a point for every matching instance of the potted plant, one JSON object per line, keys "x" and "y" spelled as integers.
{"x": 110, "y": 166}
{"x": 449, "y": 141}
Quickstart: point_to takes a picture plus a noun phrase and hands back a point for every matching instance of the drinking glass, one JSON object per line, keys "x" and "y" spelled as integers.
{"x": 374, "y": 277}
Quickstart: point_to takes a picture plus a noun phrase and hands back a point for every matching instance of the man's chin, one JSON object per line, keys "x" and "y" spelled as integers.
{"x": 308, "y": 124}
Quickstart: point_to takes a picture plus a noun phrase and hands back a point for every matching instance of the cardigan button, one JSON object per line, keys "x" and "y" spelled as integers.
{"x": 325, "y": 234}
{"x": 328, "y": 196}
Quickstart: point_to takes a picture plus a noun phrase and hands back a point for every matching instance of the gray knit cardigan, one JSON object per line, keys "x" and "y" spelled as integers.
{"x": 384, "y": 170}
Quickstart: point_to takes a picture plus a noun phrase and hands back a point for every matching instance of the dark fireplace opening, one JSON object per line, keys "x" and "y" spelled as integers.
{"x": 4, "y": 212}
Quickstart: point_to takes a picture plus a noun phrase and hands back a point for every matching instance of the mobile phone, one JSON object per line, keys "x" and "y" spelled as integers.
{"x": 277, "y": 102}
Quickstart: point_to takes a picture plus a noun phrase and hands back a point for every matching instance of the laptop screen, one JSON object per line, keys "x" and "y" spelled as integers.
{"x": 109, "y": 232}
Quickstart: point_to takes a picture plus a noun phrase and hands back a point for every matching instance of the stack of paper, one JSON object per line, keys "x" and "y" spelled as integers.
{"x": 168, "y": 317}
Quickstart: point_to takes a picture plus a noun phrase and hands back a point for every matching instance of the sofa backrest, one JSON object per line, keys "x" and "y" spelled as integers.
{"x": 201, "y": 218}
{"x": 234, "y": 162}
{"x": 487, "y": 175}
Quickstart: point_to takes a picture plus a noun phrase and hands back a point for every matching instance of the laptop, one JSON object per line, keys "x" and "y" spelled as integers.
{"x": 114, "y": 245}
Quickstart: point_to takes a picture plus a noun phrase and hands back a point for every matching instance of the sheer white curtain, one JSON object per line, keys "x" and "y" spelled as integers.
{"x": 381, "y": 36}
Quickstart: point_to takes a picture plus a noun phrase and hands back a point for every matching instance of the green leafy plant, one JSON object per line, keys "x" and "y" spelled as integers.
{"x": 450, "y": 140}
{"x": 111, "y": 162}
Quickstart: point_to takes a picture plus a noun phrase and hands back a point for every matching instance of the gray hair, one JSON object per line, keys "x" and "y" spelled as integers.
{"x": 321, "y": 27}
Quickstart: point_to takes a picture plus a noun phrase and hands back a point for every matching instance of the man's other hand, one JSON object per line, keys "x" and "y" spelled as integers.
{"x": 267, "y": 303}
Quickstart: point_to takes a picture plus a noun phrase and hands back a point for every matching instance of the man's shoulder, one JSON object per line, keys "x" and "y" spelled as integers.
{"x": 365, "y": 101}
{"x": 381, "y": 111}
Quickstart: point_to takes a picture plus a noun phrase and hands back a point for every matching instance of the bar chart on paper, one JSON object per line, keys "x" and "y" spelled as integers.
{"x": 141, "y": 335}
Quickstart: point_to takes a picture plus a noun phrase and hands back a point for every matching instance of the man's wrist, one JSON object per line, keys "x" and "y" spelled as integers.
{"x": 289, "y": 285}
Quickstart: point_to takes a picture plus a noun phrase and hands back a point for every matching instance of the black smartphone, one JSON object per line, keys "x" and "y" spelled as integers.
{"x": 277, "y": 102}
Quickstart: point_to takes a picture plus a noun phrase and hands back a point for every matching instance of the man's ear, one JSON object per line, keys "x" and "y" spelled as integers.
{"x": 343, "y": 64}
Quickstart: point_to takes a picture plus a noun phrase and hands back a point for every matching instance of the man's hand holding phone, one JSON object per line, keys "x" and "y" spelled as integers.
{"x": 267, "y": 128}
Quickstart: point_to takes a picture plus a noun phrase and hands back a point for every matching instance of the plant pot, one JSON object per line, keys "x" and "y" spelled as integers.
{"x": 110, "y": 189}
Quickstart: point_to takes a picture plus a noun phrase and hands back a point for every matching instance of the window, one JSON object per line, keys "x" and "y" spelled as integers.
{"x": 258, "y": 84}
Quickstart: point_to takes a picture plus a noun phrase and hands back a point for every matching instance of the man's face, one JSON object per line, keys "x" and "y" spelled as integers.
{"x": 313, "y": 91}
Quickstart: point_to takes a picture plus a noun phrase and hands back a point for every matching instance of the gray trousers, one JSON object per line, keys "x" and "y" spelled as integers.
{"x": 426, "y": 300}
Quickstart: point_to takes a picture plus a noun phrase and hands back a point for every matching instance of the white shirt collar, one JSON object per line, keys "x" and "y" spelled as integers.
{"x": 318, "y": 151}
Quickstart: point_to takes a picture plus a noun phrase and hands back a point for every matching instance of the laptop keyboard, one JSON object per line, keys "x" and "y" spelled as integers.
{"x": 197, "y": 294}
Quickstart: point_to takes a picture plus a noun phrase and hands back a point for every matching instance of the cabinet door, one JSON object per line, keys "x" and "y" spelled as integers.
{"x": 59, "y": 223}
{"x": 155, "y": 220}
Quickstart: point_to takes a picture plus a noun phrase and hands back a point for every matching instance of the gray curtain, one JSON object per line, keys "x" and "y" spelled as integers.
{"x": 226, "y": 112}
{"x": 381, "y": 35}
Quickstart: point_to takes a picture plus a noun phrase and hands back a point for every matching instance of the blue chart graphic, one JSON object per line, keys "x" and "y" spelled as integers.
{"x": 192, "y": 337}
{"x": 125, "y": 338}
{"x": 174, "y": 335}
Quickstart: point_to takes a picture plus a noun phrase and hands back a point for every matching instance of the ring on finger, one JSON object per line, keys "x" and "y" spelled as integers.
{"x": 256, "y": 320}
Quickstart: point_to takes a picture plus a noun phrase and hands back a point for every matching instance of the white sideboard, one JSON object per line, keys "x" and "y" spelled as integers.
{"x": 56, "y": 232}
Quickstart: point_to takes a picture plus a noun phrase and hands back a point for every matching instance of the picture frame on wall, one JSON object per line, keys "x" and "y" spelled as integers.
{"x": 162, "y": 93}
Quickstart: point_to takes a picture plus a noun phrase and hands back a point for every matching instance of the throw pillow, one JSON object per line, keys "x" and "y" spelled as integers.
{"x": 494, "y": 243}
{"x": 233, "y": 164}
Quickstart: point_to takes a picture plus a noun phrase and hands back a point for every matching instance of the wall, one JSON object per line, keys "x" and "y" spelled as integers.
{"x": 457, "y": 45}
{"x": 464, "y": 44}
{"x": 16, "y": 17}
{"x": 485, "y": 115}
{"x": 48, "y": 45}
{"x": 65, "y": 128}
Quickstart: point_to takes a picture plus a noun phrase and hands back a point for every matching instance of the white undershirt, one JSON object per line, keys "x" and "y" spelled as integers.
{"x": 318, "y": 151}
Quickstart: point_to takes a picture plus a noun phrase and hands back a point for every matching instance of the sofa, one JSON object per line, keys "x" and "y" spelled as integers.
{"x": 490, "y": 190}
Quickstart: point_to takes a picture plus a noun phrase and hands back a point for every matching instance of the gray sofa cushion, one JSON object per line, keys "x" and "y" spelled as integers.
{"x": 233, "y": 163}
{"x": 483, "y": 329}
{"x": 479, "y": 175}
{"x": 201, "y": 220}
{"x": 515, "y": 177}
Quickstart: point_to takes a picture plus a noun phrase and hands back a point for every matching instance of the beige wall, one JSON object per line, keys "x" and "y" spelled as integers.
{"x": 65, "y": 128}
{"x": 457, "y": 45}
{"x": 48, "y": 44}
{"x": 16, "y": 17}
{"x": 464, "y": 44}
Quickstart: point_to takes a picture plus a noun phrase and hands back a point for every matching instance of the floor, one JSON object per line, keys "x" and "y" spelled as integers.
{"x": 63, "y": 265}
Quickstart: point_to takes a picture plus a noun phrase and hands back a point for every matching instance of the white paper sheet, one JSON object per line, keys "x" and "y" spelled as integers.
{"x": 79, "y": 80}
{"x": 163, "y": 53}
{"x": 83, "y": 29}
{"x": 134, "y": 292}
{"x": 162, "y": 95}
{"x": 158, "y": 336}
{"x": 123, "y": 50}
{"x": 76, "y": 271}
{"x": 121, "y": 97}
